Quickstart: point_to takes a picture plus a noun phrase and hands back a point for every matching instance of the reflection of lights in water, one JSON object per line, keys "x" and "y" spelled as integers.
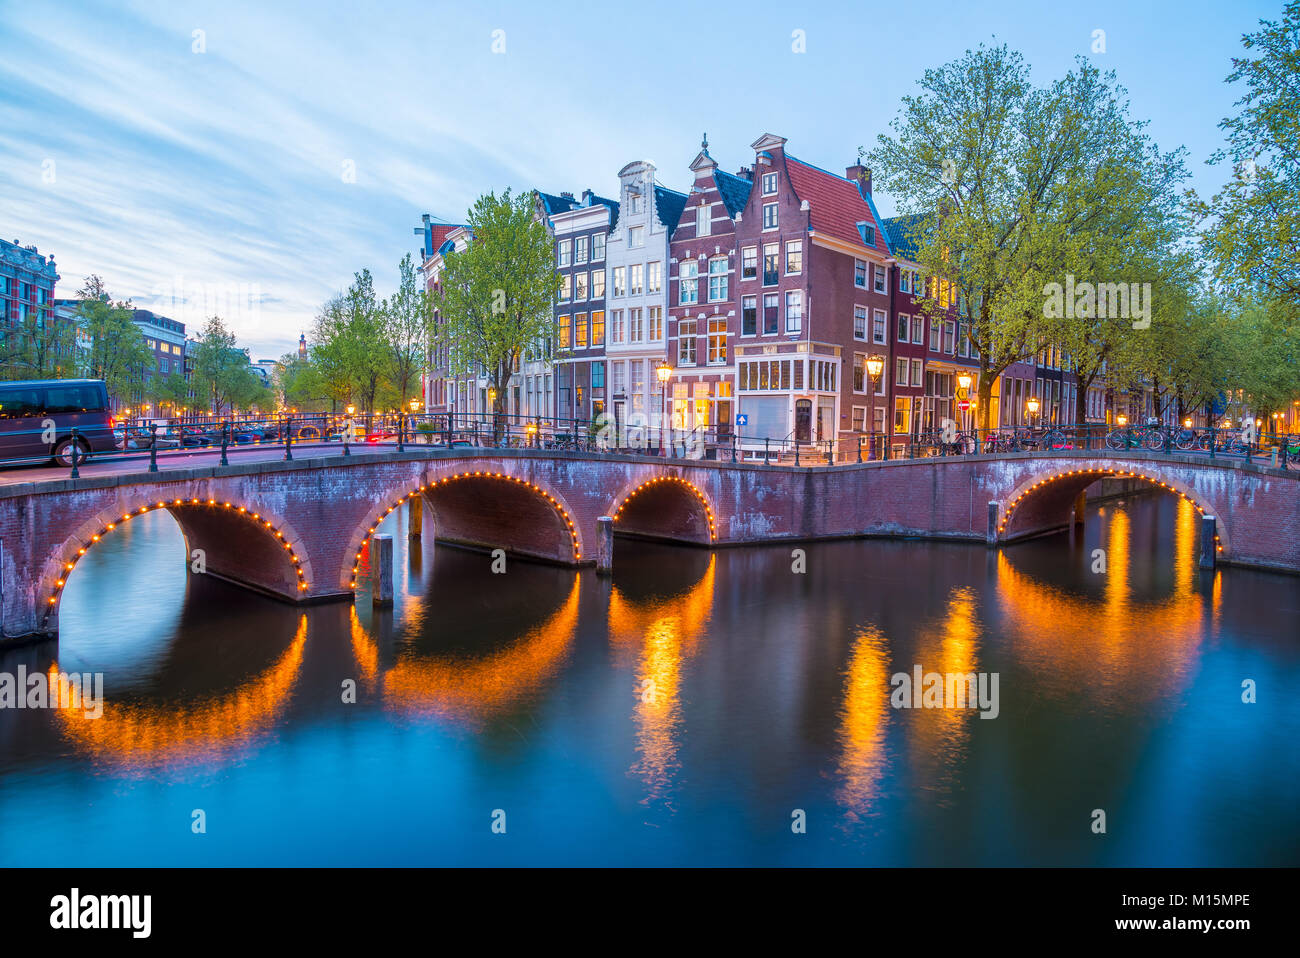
{"x": 862, "y": 723}
{"x": 662, "y": 632}
{"x": 140, "y": 737}
{"x": 1111, "y": 649}
{"x": 470, "y": 690}
{"x": 938, "y": 736}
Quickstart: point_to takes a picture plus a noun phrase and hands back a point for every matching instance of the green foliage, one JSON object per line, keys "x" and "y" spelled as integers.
{"x": 41, "y": 347}
{"x": 220, "y": 373}
{"x": 115, "y": 349}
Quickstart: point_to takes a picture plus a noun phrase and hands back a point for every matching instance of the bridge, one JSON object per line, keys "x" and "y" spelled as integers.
{"x": 298, "y": 529}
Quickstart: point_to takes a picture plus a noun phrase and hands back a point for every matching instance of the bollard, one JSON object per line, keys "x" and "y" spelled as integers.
{"x": 991, "y": 536}
{"x": 415, "y": 518}
{"x": 1209, "y": 547}
{"x": 381, "y": 570}
{"x": 605, "y": 545}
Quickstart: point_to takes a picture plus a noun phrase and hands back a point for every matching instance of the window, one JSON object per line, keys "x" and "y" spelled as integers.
{"x": 565, "y": 331}
{"x": 654, "y": 277}
{"x": 902, "y": 414}
{"x": 749, "y": 262}
{"x": 769, "y": 184}
{"x": 656, "y": 324}
{"x": 597, "y": 247}
{"x": 749, "y": 316}
{"x": 904, "y": 327}
{"x": 579, "y": 286}
{"x": 597, "y": 369}
{"x": 935, "y": 328}
{"x": 918, "y": 288}
{"x": 771, "y": 306}
{"x": 703, "y": 220}
{"x": 881, "y": 279}
{"x": 686, "y": 342}
{"x": 620, "y": 281}
{"x": 860, "y": 323}
{"x": 918, "y": 330}
{"x": 949, "y": 337}
{"x": 598, "y": 329}
{"x": 717, "y": 342}
{"x": 771, "y": 263}
{"x": 859, "y": 372}
{"x": 794, "y": 256}
{"x": 879, "y": 322}
{"x": 900, "y": 372}
{"x": 580, "y": 330}
{"x": 636, "y": 279}
{"x": 859, "y": 273}
{"x": 635, "y": 326}
{"x": 859, "y": 418}
{"x": 580, "y": 250}
{"x": 620, "y": 378}
{"x": 634, "y": 201}
{"x": 688, "y": 284}
{"x": 904, "y": 280}
{"x": 635, "y": 236}
{"x": 597, "y": 284}
{"x": 617, "y": 332}
{"x": 566, "y": 288}
{"x": 769, "y": 216}
{"x": 717, "y": 279}
{"x": 565, "y": 253}
{"x": 793, "y": 311}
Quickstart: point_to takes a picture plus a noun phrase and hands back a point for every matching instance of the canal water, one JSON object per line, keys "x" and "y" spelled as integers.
{"x": 698, "y": 709}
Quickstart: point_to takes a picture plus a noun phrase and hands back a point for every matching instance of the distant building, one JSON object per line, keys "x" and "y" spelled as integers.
{"x": 438, "y": 239}
{"x": 26, "y": 282}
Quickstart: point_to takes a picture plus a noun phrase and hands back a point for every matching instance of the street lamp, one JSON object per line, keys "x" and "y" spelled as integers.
{"x": 875, "y": 366}
{"x": 663, "y": 372}
{"x": 963, "y": 385}
{"x": 1032, "y": 406}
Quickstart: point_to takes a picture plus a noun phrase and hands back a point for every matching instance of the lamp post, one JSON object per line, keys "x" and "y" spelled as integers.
{"x": 663, "y": 372}
{"x": 348, "y": 429}
{"x": 875, "y": 366}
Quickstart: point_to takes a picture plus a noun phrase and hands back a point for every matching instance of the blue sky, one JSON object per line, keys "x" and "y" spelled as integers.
{"x": 191, "y": 179}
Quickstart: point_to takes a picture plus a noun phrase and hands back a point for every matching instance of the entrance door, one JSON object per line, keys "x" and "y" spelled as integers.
{"x": 803, "y": 420}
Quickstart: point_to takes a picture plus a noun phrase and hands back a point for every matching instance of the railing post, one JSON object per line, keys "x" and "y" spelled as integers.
{"x": 288, "y": 438}
{"x": 76, "y": 448}
{"x": 1214, "y": 440}
{"x": 225, "y": 439}
{"x": 153, "y": 447}
{"x": 830, "y": 452}
{"x": 401, "y": 421}
{"x": 859, "y": 448}
{"x": 767, "y": 461}
{"x": 796, "y": 452}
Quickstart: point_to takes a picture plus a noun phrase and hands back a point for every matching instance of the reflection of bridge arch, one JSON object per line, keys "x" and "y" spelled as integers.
{"x": 665, "y": 507}
{"x": 140, "y": 736}
{"x": 520, "y": 516}
{"x": 1054, "y": 492}
{"x": 470, "y": 689}
{"x": 234, "y": 540}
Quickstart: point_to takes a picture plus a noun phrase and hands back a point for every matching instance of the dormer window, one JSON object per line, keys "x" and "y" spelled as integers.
{"x": 868, "y": 233}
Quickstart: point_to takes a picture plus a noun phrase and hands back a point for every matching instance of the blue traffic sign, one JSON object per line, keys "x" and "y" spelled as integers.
{"x": 742, "y": 420}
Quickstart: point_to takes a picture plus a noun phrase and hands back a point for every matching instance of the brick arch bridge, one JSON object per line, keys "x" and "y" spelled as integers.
{"x": 295, "y": 529}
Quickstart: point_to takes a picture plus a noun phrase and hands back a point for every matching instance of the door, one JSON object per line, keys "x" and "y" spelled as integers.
{"x": 803, "y": 420}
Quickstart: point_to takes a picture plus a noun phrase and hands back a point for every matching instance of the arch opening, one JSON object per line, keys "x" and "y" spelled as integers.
{"x": 666, "y": 508}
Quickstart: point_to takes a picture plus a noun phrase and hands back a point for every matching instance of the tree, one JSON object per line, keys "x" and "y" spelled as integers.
{"x": 115, "y": 351}
{"x": 42, "y": 347}
{"x": 499, "y": 292}
{"x": 220, "y": 372}
{"x": 407, "y": 326}
{"x": 1253, "y": 237}
{"x": 1013, "y": 188}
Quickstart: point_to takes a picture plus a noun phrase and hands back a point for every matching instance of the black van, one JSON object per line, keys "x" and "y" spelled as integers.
{"x": 37, "y": 416}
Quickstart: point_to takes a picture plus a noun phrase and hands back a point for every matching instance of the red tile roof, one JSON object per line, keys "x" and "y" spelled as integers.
{"x": 836, "y": 207}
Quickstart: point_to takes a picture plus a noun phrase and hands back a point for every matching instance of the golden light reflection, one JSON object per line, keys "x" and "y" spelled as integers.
{"x": 1111, "y": 650}
{"x": 863, "y": 718}
{"x": 660, "y": 634}
{"x": 143, "y": 737}
{"x": 470, "y": 690}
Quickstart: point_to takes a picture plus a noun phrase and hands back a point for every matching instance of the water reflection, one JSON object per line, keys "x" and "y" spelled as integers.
{"x": 863, "y": 718}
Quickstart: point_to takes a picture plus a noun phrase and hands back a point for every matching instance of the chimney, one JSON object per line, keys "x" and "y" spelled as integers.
{"x": 567, "y": 196}
{"x": 862, "y": 176}
{"x": 745, "y": 173}
{"x": 588, "y": 197}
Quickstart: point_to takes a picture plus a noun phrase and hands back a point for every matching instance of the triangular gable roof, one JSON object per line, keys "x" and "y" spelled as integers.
{"x": 835, "y": 205}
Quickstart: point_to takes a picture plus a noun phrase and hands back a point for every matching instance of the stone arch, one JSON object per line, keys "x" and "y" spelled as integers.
{"x": 523, "y": 517}
{"x": 1053, "y": 490}
{"x": 271, "y": 557}
{"x": 665, "y": 507}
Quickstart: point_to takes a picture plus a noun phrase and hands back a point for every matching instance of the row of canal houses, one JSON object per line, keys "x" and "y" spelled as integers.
{"x": 765, "y": 291}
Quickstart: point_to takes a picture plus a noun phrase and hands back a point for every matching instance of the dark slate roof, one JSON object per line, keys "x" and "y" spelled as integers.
{"x": 669, "y": 205}
{"x": 612, "y": 204}
{"x": 901, "y": 233}
{"x": 733, "y": 189}
{"x": 556, "y": 204}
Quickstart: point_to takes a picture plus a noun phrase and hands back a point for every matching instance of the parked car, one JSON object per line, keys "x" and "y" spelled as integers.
{"x": 37, "y": 417}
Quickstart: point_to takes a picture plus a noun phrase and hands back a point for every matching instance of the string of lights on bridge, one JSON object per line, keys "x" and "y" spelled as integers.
{"x": 695, "y": 490}
{"x": 1117, "y": 473}
{"x": 70, "y": 563}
